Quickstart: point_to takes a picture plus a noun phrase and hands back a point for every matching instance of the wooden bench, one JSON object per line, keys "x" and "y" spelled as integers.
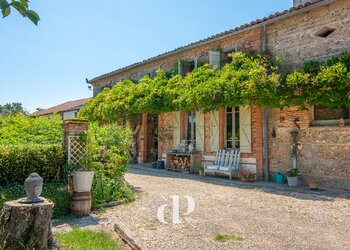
{"x": 226, "y": 162}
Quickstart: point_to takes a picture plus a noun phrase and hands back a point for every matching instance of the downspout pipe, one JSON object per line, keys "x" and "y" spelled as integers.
{"x": 265, "y": 118}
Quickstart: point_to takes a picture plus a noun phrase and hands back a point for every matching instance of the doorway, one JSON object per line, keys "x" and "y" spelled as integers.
{"x": 152, "y": 142}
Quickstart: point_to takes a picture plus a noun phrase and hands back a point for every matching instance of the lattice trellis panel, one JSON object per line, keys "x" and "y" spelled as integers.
{"x": 77, "y": 151}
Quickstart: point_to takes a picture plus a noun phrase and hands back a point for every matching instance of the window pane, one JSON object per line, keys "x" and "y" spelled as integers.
{"x": 229, "y": 129}
{"x": 191, "y": 120}
{"x": 324, "y": 113}
{"x": 237, "y": 143}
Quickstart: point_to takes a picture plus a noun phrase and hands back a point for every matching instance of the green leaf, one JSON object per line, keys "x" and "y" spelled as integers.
{"x": 4, "y": 4}
{"x": 20, "y": 8}
{"x": 33, "y": 16}
{"x": 6, "y": 11}
{"x": 24, "y": 3}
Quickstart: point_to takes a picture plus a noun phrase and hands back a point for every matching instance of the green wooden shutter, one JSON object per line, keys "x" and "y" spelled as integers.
{"x": 199, "y": 131}
{"x": 245, "y": 129}
{"x": 214, "y": 131}
{"x": 176, "y": 129}
{"x": 215, "y": 59}
{"x": 97, "y": 90}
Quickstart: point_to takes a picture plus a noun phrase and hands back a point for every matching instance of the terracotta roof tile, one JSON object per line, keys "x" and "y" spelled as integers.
{"x": 67, "y": 106}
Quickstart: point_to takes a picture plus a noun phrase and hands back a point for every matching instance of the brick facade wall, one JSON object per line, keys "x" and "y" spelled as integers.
{"x": 166, "y": 121}
{"x": 325, "y": 150}
{"x": 294, "y": 38}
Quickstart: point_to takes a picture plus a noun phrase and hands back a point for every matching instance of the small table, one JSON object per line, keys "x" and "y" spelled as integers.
{"x": 195, "y": 159}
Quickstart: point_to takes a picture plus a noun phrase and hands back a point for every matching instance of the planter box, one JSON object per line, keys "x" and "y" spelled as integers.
{"x": 244, "y": 179}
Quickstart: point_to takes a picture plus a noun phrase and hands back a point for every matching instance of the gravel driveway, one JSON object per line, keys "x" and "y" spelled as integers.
{"x": 265, "y": 217}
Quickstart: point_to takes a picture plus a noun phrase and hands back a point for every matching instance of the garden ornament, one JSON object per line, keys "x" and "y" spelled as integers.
{"x": 33, "y": 186}
{"x": 279, "y": 177}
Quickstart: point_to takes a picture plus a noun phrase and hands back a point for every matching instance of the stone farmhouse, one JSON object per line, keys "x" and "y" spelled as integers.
{"x": 310, "y": 30}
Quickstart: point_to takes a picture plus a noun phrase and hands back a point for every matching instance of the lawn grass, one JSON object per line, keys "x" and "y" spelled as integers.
{"x": 226, "y": 237}
{"x": 78, "y": 239}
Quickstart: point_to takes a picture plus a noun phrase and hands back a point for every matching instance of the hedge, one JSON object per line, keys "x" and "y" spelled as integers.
{"x": 54, "y": 191}
{"x": 18, "y": 161}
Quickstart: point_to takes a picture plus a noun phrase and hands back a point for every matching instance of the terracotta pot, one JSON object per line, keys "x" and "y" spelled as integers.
{"x": 313, "y": 186}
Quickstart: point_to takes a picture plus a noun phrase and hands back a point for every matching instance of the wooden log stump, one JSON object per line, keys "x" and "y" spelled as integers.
{"x": 25, "y": 226}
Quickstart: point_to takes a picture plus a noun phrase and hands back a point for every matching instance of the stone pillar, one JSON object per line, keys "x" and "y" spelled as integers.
{"x": 73, "y": 127}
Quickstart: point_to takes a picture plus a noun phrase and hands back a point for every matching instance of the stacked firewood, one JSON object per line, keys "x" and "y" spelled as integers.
{"x": 180, "y": 162}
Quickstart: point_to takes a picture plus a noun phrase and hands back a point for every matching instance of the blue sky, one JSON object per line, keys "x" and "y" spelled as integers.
{"x": 47, "y": 65}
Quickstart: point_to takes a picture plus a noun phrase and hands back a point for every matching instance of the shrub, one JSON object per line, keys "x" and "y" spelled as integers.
{"x": 109, "y": 149}
{"x": 54, "y": 191}
{"x": 21, "y": 129}
{"x": 18, "y": 161}
{"x": 106, "y": 189}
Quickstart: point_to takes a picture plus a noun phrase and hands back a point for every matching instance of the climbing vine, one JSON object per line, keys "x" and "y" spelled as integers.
{"x": 250, "y": 79}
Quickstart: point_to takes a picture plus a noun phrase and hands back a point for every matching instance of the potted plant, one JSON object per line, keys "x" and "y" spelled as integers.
{"x": 315, "y": 183}
{"x": 200, "y": 169}
{"x": 162, "y": 135}
{"x": 292, "y": 177}
{"x": 246, "y": 175}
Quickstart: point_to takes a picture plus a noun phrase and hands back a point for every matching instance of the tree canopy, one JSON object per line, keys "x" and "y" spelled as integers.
{"x": 21, "y": 6}
{"x": 250, "y": 79}
{"x": 10, "y": 109}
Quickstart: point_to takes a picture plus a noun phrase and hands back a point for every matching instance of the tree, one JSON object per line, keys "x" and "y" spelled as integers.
{"x": 21, "y": 6}
{"x": 10, "y": 109}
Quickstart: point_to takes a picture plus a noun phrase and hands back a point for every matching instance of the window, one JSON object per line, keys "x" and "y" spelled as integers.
{"x": 152, "y": 74}
{"x": 227, "y": 57}
{"x": 330, "y": 116}
{"x": 185, "y": 67}
{"x": 232, "y": 127}
{"x": 191, "y": 128}
{"x": 325, "y": 32}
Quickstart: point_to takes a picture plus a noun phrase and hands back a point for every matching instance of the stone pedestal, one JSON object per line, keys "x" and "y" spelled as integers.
{"x": 25, "y": 226}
